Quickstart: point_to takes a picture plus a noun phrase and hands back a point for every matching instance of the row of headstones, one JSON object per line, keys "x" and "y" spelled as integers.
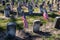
{"x": 11, "y": 27}
{"x": 30, "y": 8}
{"x": 8, "y": 10}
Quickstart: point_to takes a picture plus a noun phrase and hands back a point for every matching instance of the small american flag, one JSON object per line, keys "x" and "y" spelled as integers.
{"x": 45, "y": 15}
{"x": 25, "y": 21}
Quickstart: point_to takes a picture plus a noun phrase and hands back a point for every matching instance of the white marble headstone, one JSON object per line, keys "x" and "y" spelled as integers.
{"x": 36, "y": 25}
{"x": 57, "y": 23}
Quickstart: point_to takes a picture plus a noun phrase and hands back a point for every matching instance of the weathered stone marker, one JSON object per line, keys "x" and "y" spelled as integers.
{"x": 7, "y": 13}
{"x": 8, "y": 6}
{"x": 11, "y": 30}
{"x": 41, "y": 7}
{"x": 57, "y": 23}
{"x": 50, "y": 6}
{"x": 19, "y": 10}
{"x": 36, "y": 25}
{"x": 30, "y": 8}
{"x": 3, "y": 2}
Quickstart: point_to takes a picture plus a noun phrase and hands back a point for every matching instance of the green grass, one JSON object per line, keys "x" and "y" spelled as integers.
{"x": 30, "y": 19}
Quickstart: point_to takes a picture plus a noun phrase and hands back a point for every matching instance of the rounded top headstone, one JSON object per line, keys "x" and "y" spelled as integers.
{"x": 11, "y": 23}
{"x": 37, "y": 21}
{"x": 57, "y": 17}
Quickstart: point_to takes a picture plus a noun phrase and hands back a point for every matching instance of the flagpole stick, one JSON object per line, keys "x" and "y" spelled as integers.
{"x": 24, "y": 21}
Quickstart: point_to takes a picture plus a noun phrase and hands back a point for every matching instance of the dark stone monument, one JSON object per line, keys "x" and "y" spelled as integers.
{"x": 50, "y": 5}
{"x": 37, "y": 25}
{"x": 19, "y": 10}
{"x": 30, "y": 8}
{"x": 8, "y": 6}
{"x": 3, "y": 2}
{"x": 41, "y": 7}
{"x": 7, "y": 13}
{"x": 57, "y": 23}
{"x": 11, "y": 30}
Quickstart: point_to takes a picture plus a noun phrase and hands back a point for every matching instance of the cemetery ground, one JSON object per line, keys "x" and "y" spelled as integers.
{"x": 47, "y": 27}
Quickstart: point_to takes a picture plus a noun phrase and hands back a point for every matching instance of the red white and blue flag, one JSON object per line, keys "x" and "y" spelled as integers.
{"x": 45, "y": 15}
{"x": 25, "y": 21}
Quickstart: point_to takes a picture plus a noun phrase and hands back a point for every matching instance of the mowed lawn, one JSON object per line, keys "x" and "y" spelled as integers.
{"x": 30, "y": 19}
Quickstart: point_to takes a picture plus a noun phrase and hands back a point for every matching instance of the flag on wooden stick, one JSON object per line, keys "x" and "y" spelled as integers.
{"x": 45, "y": 15}
{"x": 25, "y": 21}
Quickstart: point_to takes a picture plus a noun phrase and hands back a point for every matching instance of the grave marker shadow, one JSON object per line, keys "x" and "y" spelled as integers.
{"x": 36, "y": 27}
{"x": 11, "y": 30}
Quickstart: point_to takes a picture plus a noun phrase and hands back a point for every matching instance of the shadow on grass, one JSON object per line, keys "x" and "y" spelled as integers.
{"x": 46, "y": 34}
{"x": 2, "y": 29}
{"x": 29, "y": 36}
{"x": 53, "y": 15}
{"x": 15, "y": 38}
{"x": 19, "y": 26}
{"x": 1, "y": 11}
{"x": 2, "y": 33}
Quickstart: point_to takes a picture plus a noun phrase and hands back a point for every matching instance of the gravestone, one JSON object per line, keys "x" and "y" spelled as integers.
{"x": 11, "y": 30}
{"x": 41, "y": 7}
{"x": 7, "y": 13}
{"x": 3, "y": 2}
{"x": 50, "y": 5}
{"x": 36, "y": 25}
{"x": 8, "y": 6}
{"x": 57, "y": 23}
{"x": 30, "y": 8}
{"x": 19, "y": 10}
